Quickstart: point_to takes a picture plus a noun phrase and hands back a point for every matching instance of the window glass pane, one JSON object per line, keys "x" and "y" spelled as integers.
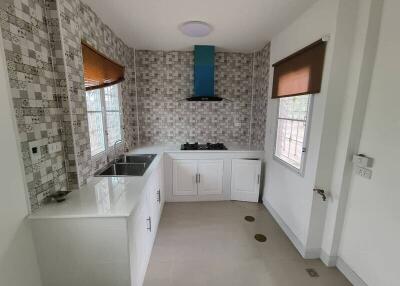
{"x": 111, "y": 97}
{"x": 113, "y": 127}
{"x": 93, "y": 100}
{"x": 291, "y": 128}
{"x": 96, "y": 132}
{"x": 294, "y": 107}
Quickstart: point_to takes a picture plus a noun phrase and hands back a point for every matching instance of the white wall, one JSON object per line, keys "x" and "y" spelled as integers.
{"x": 289, "y": 195}
{"x": 18, "y": 264}
{"x": 371, "y": 233}
{"x": 349, "y": 110}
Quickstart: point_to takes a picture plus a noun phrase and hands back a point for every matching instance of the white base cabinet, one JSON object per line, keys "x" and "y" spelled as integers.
{"x": 245, "y": 180}
{"x": 185, "y": 177}
{"x": 197, "y": 177}
{"x": 212, "y": 176}
{"x": 101, "y": 251}
{"x": 143, "y": 225}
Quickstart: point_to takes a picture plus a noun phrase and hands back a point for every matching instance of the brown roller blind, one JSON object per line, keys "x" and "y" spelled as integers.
{"x": 99, "y": 71}
{"x": 300, "y": 73}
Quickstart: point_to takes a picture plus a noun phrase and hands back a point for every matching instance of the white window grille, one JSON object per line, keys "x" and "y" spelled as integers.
{"x": 292, "y": 131}
{"x": 104, "y": 118}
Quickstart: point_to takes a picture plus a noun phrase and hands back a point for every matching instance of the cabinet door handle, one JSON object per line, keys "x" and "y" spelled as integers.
{"x": 258, "y": 179}
{"x": 159, "y": 196}
{"x": 199, "y": 178}
{"x": 149, "y": 227}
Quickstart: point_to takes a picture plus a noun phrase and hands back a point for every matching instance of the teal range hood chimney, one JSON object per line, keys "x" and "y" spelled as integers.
{"x": 204, "y": 70}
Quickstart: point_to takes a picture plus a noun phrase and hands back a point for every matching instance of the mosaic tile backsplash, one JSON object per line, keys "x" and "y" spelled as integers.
{"x": 166, "y": 78}
{"x": 79, "y": 22}
{"x": 260, "y": 97}
{"x": 42, "y": 42}
{"x": 32, "y": 80}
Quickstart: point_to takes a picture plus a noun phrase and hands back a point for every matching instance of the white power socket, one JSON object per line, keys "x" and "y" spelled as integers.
{"x": 54, "y": 147}
{"x": 363, "y": 172}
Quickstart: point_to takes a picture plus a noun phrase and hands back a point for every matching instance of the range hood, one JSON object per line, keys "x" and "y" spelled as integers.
{"x": 204, "y": 70}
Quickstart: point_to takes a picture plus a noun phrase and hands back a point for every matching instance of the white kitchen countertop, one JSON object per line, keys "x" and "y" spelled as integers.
{"x": 114, "y": 196}
{"x": 177, "y": 148}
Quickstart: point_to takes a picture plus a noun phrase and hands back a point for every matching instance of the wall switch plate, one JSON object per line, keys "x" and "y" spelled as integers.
{"x": 363, "y": 172}
{"x": 362, "y": 160}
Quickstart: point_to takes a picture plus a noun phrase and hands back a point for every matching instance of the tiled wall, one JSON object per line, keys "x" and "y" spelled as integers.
{"x": 38, "y": 111}
{"x": 42, "y": 41}
{"x": 260, "y": 97}
{"x": 79, "y": 22}
{"x": 164, "y": 78}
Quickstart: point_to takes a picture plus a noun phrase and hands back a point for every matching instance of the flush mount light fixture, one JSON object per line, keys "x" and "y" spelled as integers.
{"x": 195, "y": 29}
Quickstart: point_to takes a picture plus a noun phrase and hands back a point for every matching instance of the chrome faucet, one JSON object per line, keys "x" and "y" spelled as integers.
{"x": 115, "y": 143}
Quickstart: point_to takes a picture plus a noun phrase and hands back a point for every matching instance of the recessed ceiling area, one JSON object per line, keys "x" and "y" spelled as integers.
{"x": 238, "y": 25}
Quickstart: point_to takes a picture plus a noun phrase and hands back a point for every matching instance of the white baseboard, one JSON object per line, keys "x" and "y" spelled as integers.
{"x": 349, "y": 273}
{"x": 305, "y": 253}
{"x": 327, "y": 259}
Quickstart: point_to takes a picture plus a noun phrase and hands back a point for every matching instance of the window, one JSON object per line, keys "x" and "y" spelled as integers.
{"x": 104, "y": 118}
{"x": 291, "y": 134}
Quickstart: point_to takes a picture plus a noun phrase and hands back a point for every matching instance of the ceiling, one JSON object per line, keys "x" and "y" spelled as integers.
{"x": 238, "y": 25}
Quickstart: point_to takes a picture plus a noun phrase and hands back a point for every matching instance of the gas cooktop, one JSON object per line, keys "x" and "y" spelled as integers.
{"x": 207, "y": 146}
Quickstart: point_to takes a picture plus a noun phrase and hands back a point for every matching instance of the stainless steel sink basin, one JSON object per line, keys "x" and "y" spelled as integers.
{"x": 139, "y": 158}
{"x": 127, "y": 165}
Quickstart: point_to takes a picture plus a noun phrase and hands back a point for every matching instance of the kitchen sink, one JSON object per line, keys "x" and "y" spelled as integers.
{"x": 127, "y": 165}
{"x": 139, "y": 158}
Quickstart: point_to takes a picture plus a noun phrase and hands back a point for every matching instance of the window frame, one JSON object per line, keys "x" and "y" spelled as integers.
{"x": 300, "y": 171}
{"x": 104, "y": 120}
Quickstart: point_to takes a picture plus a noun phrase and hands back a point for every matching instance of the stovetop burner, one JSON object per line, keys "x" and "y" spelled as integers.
{"x": 207, "y": 146}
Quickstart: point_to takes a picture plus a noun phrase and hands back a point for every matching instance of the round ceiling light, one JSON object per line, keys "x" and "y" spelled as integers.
{"x": 195, "y": 29}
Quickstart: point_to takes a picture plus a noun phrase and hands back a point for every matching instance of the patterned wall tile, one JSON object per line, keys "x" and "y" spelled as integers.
{"x": 260, "y": 97}
{"x": 165, "y": 78}
{"x": 38, "y": 113}
{"x": 42, "y": 41}
{"x": 79, "y": 22}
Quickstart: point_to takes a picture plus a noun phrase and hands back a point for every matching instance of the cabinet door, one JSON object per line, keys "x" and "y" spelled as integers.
{"x": 155, "y": 197}
{"x": 152, "y": 219}
{"x": 184, "y": 177}
{"x": 142, "y": 246}
{"x": 245, "y": 181}
{"x": 210, "y": 178}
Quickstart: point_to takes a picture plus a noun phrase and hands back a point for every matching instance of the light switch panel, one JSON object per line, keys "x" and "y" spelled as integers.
{"x": 362, "y": 160}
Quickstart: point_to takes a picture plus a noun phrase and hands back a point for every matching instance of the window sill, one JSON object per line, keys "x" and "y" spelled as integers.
{"x": 299, "y": 172}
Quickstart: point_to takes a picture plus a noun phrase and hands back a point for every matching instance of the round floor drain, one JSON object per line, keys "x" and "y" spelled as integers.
{"x": 249, "y": 218}
{"x": 260, "y": 237}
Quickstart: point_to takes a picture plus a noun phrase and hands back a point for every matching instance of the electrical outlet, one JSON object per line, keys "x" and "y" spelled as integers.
{"x": 34, "y": 151}
{"x": 54, "y": 147}
{"x": 363, "y": 172}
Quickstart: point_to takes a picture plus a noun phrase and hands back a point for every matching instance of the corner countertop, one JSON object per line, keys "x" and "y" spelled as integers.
{"x": 113, "y": 196}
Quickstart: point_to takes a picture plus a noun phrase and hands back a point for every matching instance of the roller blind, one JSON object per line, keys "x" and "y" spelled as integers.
{"x": 300, "y": 73}
{"x": 99, "y": 71}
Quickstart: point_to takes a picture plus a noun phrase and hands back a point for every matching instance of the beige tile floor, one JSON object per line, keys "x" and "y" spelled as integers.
{"x": 210, "y": 243}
